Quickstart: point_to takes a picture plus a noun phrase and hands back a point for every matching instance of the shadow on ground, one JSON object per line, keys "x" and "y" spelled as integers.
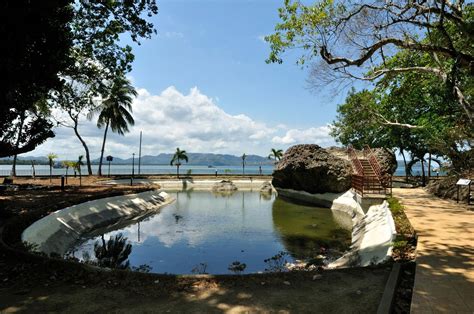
{"x": 444, "y": 280}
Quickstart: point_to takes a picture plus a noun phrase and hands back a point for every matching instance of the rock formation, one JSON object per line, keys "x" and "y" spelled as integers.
{"x": 224, "y": 186}
{"x": 313, "y": 169}
{"x": 387, "y": 160}
{"x": 266, "y": 188}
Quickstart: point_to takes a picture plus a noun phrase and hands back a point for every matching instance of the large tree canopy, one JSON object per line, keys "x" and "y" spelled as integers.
{"x": 36, "y": 40}
{"x": 54, "y": 42}
{"x": 353, "y": 39}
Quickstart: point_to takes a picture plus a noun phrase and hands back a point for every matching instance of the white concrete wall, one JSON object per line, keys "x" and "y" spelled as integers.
{"x": 205, "y": 185}
{"x": 372, "y": 239}
{"x": 58, "y": 231}
{"x": 373, "y": 232}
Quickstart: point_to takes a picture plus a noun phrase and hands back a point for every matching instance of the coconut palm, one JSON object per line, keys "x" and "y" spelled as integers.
{"x": 178, "y": 155}
{"x": 77, "y": 166}
{"x": 51, "y": 157}
{"x": 68, "y": 164}
{"x": 243, "y": 162}
{"x": 115, "y": 111}
{"x": 275, "y": 154}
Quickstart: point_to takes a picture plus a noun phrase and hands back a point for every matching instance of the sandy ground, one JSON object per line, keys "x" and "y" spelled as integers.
{"x": 32, "y": 284}
{"x": 444, "y": 280}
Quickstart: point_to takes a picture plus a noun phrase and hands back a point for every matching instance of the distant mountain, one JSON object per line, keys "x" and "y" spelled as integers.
{"x": 195, "y": 159}
{"x": 24, "y": 160}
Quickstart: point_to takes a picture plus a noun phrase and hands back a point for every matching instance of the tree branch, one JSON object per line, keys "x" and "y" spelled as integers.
{"x": 329, "y": 58}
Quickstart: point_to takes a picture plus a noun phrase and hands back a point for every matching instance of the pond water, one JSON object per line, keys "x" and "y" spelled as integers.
{"x": 202, "y": 232}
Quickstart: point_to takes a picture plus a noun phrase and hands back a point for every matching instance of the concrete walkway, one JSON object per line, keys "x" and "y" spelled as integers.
{"x": 444, "y": 280}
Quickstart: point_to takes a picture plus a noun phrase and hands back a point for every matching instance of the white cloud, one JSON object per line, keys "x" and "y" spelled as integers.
{"x": 191, "y": 121}
{"x": 319, "y": 135}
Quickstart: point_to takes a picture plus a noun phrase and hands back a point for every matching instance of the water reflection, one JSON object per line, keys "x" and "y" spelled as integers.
{"x": 113, "y": 253}
{"x": 202, "y": 232}
{"x": 307, "y": 231}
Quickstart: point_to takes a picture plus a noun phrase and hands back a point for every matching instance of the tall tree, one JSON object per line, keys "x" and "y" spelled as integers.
{"x": 115, "y": 110}
{"x": 62, "y": 40}
{"x": 68, "y": 164}
{"x": 37, "y": 51}
{"x": 79, "y": 163}
{"x": 99, "y": 56}
{"x": 76, "y": 99}
{"x": 350, "y": 38}
{"x": 244, "y": 156}
{"x": 177, "y": 157}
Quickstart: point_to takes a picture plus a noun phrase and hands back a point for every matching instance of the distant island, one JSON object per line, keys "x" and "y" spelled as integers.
{"x": 195, "y": 159}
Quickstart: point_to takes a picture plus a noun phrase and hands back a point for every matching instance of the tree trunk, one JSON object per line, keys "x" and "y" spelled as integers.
{"x": 88, "y": 158}
{"x": 14, "y": 165}
{"x": 50, "y": 171}
{"x": 423, "y": 178}
{"x": 177, "y": 171}
{"x": 429, "y": 166}
{"x": 99, "y": 172}
{"x": 33, "y": 166}
{"x": 405, "y": 163}
{"x": 17, "y": 144}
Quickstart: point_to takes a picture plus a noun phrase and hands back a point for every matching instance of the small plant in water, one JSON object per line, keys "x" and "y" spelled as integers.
{"x": 31, "y": 247}
{"x": 200, "y": 269}
{"x": 177, "y": 217}
{"x": 276, "y": 263}
{"x": 315, "y": 261}
{"x": 237, "y": 267}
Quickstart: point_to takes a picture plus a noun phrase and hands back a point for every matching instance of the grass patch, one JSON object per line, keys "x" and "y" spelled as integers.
{"x": 402, "y": 223}
{"x": 405, "y": 243}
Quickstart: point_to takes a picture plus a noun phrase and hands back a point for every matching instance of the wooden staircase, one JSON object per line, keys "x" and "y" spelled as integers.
{"x": 372, "y": 184}
{"x": 368, "y": 178}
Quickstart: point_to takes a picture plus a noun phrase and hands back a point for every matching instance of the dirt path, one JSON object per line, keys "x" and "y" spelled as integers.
{"x": 352, "y": 291}
{"x": 444, "y": 280}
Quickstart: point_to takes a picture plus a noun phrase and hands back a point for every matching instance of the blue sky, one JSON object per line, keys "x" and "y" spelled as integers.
{"x": 218, "y": 47}
{"x": 204, "y": 86}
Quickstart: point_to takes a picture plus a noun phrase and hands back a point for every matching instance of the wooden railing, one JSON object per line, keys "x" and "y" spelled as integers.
{"x": 385, "y": 180}
{"x": 355, "y": 160}
{"x": 358, "y": 183}
{"x": 364, "y": 183}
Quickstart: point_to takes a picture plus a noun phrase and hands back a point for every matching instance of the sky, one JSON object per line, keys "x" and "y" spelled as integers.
{"x": 204, "y": 86}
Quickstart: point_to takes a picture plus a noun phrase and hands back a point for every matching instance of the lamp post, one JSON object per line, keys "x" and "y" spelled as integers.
{"x": 109, "y": 159}
{"x": 140, "y": 153}
{"x": 133, "y": 168}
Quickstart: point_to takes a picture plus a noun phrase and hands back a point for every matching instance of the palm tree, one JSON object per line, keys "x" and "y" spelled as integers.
{"x": 68, "y": 164}
{"x": 51, "y": 157}
{"x": 77, "y": 166}
{"x": 178, "y": 155}
{"x": 115, "y": 111}
{"x": 276, "y": 155}
{"x": 243, "y": 162}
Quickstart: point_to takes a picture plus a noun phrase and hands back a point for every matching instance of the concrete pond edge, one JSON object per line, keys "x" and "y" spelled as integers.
{"x": 57, "y": 232}
{"x": 373, "y": 228}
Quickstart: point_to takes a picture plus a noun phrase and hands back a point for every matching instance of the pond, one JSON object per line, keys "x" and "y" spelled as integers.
{"x": 203, "y": 232}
